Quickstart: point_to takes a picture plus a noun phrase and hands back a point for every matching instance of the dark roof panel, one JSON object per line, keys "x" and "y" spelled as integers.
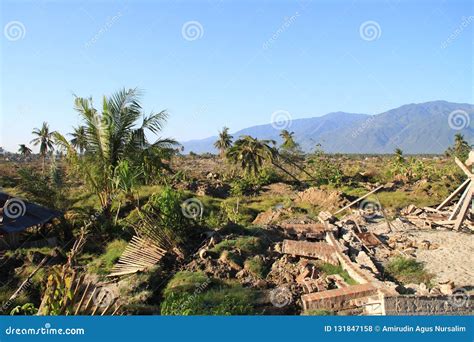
{"x": 16, "y": 215}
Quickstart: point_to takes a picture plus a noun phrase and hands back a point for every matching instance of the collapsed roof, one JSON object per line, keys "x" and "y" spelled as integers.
{"x": 16, "y": 215}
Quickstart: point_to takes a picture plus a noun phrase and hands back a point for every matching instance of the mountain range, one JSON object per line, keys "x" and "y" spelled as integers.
{"x": 415, "y": 128}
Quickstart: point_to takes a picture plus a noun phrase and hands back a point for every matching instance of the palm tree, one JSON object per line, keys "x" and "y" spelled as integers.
{"x": 44, "y": 138}
{"x": 399, "y": 159}
{"x": 224, "y": 142}
{"x": 79, "y": 140}
{"x": 24, "y": 150}
{"x": 113, "y": 136}
{"x": 289, "y": 143}
{"x": 251, "y": 153}
{"x": 460, "y": 148}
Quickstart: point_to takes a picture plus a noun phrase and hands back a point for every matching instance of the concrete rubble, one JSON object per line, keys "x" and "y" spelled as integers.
{"x": 357, "y": 244}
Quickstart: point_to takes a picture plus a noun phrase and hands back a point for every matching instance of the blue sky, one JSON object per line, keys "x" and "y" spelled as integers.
{"x": 250, "y": 59}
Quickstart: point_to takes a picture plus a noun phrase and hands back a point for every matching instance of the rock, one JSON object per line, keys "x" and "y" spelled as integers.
{"x": 278, "y": 247}
{"x": 412, "y": 288}
{"x": 324, "y": 216}
{"x": 364, "y": 260}
{"x": 423, "y": 289}
{"x": 447, "y": 288}
{"x": 347, "y": 237}
{"x": 425, "y": 244}
{"x": 271, "y": 216}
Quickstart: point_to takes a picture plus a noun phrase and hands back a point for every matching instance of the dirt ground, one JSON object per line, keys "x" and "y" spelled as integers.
{"x": 452, "y": 260}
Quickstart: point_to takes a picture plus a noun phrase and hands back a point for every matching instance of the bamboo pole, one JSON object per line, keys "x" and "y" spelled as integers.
{"x": 358, "y": 200}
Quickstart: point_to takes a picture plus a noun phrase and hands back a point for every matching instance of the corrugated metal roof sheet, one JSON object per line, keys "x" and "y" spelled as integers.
{"x": 16, "y": 214}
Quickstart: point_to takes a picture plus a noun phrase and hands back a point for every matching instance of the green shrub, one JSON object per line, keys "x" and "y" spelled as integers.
{"x": 227, "y": 299}
{"x": 162, "y": 219}
{"x": 242, "y": 187}
{"x": 250, "y": 244}
{"x": 407, "y": 270}
{"x": 225, "y": 245}
{"x": 184, "y": 282}
{"x": 104, "y": 263}
{"x": 325, "y": 169}
{"x": 27, "y": 309}
{"x": 256, "y": 266}
{"x": 233, "y": 210}
{"x": 332, "y": 269}
{"x": 247, "y": 244}
{"x": 47, "y": 190}
{"x": 5, "y": 294}
{"x": 267, "y": 175}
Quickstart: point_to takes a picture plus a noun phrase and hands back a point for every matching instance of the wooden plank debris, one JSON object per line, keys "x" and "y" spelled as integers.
{"x": 139, "y": 255}
{"x": 358, "y": 200}
{"x": 464, "y": 209}
{"x": 455, "y": 192}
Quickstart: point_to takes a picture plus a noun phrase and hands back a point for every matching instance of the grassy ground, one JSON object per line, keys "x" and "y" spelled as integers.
{"x": 408, "y": 271}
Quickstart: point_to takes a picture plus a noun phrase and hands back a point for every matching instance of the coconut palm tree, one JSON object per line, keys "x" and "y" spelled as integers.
{"x": 460, "y": 148}
{"x": 224, "y": 142}
{"x": 251, "y": 153}
{"x": 399, "y": 158}
{"x": 44, "y": 138}
{"x": 113, "y": 136}
{"x": 24, "y": 150}
{"x": 79, "y": 140}
{"x": 289, "y": 143}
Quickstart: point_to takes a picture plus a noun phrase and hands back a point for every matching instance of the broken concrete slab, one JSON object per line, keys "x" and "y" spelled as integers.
{"x": 311, "y": 230}
{"x": 368, "y": 239}
{"x": 337, "y": 299}
{"x": 319, "y": 250}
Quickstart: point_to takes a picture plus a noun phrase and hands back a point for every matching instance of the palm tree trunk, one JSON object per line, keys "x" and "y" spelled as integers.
{"x": 286, "y": 171}
{"x": 289, "y": 161}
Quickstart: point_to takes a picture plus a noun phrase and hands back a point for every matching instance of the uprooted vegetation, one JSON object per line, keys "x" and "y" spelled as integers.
{"x": 205, "y": 235}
